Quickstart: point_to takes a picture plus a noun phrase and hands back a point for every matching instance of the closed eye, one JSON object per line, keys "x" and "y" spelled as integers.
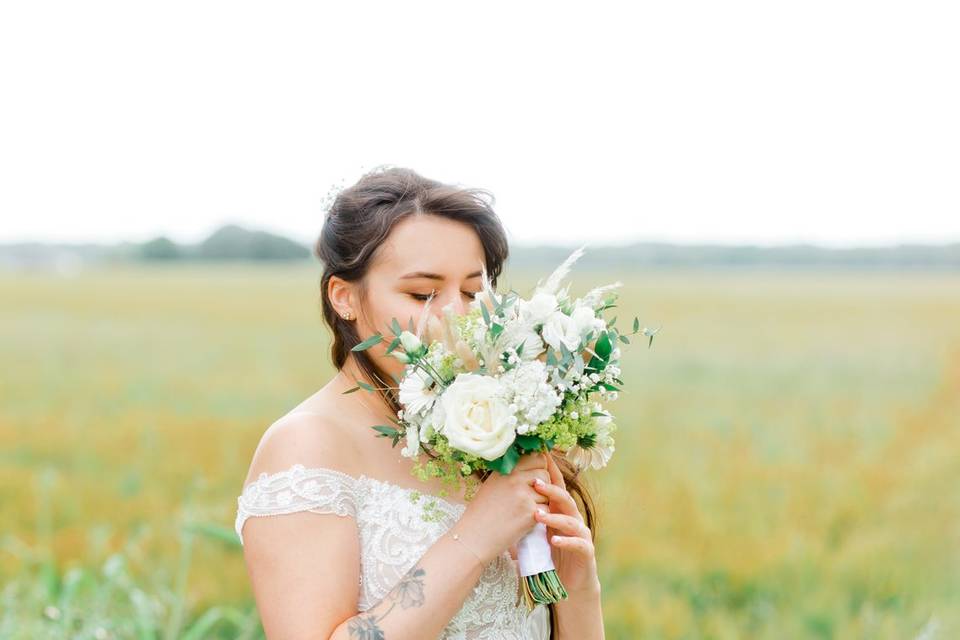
{"x": 423, "y": 296}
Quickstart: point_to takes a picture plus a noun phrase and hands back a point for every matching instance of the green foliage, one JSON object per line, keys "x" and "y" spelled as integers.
{"x": 388, "y": 432}
{"x": 161, "y": 248}
{"x": 505, "y": 463}
{"x": 232, "y": 242}
{"x": 369, "y": 342}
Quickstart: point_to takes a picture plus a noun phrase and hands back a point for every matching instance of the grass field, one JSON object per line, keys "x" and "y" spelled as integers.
{"x": 787, "y": 460}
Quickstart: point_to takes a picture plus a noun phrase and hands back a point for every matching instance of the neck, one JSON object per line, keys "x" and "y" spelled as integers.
{"x": 348, "y": 376}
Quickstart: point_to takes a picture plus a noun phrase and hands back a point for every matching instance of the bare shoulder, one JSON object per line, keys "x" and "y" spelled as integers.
{"x": 313, "y": 439}
{"x": 315, "y": 554}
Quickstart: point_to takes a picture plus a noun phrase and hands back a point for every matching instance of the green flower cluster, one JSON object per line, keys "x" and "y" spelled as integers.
{"x": 430, "y": 511}
{"x": 570, "y": 423}
{"x": 451, "y": 466}
{"x": 468, "y": 326}
{"x": 443, "y": 361}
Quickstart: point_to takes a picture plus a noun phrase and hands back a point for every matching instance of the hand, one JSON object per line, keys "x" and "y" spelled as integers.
{"x": 569, "y": 536}
{"x": 502, "y": 510}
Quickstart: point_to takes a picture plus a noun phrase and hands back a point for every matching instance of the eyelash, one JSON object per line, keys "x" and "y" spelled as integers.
{"x": 423, "y": 297}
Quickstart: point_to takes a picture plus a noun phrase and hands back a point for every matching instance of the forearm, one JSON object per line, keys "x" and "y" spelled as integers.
{"x": 580, "y": 617}
{"x": 425, "y": 598}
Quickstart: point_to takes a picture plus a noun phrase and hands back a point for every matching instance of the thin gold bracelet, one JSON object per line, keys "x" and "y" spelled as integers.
{"x": 456, "y": 536}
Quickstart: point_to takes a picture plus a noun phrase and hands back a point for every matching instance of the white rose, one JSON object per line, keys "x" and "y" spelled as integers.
{"x": 560, "y": 328}
{"x": 538, "y": 308}
{"x": 586, "y": 319}
{"x": 475, "y": 418}
{"x": 517, "y": 332}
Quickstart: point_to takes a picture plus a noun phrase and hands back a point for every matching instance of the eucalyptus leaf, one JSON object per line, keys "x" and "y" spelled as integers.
{"x": 369, "y": 342}
{"x": 393, "y": 344}
{"x": 385, "y": 431}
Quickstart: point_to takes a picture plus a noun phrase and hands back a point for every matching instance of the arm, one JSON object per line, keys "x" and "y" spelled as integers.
{"x": 304, "y": 567}
{"x": 580, "y": 616}
{"x": 424, "y": 600}
{"x": 297, "y": 600}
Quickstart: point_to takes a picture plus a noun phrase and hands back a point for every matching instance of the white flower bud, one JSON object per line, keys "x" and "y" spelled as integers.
{"x": 410, "y": 342}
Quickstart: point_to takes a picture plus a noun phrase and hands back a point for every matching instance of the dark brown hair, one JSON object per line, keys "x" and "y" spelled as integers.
{"x": 358, "y": 222}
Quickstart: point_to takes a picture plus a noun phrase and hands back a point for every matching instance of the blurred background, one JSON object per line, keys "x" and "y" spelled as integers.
{"x": 776, "y": 186}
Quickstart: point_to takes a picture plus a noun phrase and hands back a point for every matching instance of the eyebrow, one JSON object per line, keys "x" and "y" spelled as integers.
{"x": 434, "y": 276}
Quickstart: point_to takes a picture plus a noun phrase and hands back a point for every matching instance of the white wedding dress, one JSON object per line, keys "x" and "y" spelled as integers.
{"x": 393, "y": 536}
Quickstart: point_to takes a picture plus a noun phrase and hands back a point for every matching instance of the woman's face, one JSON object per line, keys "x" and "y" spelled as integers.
{"x": 423, "y": 253}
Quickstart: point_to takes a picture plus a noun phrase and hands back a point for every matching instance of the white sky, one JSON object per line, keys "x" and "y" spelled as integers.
{"x": 834, "y": 122}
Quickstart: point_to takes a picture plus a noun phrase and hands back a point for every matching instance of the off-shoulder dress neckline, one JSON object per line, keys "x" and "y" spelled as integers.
{"x": 266, "y": 476}
{"x": 450, "y": 503}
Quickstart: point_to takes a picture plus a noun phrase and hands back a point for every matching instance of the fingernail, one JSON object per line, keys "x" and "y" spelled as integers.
{"x": 539, "y": 482}
{"x": 555, "y": 540}
{"x": 541, "y": 510}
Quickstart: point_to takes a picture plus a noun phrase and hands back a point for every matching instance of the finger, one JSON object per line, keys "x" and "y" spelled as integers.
{"x": 513, "y": 551}
{"x": 556, "y": 476}
{"x": 533, "y": 474}
{"x": 533, "y": 460}
{"x": 573, "y": 543}
{"x": 567, "y": 525}
{"x": 558, "y": 496}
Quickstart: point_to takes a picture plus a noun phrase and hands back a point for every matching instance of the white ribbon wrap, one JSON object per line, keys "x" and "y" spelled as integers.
{"x": 533, "y": 552}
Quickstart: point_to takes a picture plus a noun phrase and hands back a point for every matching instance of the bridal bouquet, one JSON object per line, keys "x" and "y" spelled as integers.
{"x": 510, "y": 376}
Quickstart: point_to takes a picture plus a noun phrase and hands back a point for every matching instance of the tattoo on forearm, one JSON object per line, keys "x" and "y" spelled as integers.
{"x": 407, "y": 593}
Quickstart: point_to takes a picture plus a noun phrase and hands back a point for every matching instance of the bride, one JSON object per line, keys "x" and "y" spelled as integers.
{"x": 352, "y": 556}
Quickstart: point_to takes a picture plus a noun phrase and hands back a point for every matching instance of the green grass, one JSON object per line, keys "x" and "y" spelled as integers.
{"x": 787, "y": 457}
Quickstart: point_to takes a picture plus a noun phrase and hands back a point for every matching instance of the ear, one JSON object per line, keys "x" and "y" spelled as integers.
{"x": 340, "y": 293}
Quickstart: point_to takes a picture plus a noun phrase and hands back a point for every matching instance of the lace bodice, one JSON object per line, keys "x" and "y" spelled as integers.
{"x": 393, "y": 536}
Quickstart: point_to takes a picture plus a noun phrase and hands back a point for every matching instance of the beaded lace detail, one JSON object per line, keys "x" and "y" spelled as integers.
{"x": 393, "y": 536}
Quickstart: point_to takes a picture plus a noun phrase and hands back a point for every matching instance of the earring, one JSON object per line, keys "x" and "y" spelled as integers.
{"x": 347, "y": 315}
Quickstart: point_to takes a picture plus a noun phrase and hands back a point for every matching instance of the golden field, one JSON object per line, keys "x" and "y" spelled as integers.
{"x": 787, "y": 464}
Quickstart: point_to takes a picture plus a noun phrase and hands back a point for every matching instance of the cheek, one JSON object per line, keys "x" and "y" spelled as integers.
{"x": 386, "y": 306}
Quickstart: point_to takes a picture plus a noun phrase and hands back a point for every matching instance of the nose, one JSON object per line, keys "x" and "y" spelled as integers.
{"x": 443, "y": 299}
